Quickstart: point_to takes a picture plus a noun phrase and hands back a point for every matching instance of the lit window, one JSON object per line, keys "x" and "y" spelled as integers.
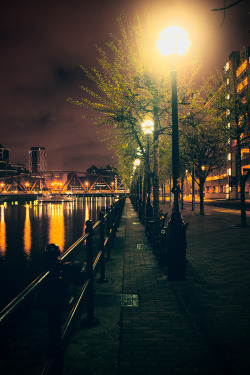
{"x": 241, "y": 85}
{"x": 227, "y": 66}
{"x": 229, "y": 157}
{"x": 228, "y": 125}
{"x": 227, "y": 96}
{"x": 241, "y": 68}
{"x": 229, "y": 172}
{"x": 229, "y": 141}
{"x": 227, "y": 112}
{"x": 227, "y": 81}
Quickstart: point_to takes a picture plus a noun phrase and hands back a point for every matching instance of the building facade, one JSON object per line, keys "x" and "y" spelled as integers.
{"x": 4, "y": 158}
{"x": 225, "y": 183}
{"x": 37, "y": 159}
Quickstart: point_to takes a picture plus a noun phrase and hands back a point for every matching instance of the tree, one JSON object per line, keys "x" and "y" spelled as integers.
{"x": 128, "y": 88}
{"x": 127, "y": 91}
{"x": 204, "y": 142}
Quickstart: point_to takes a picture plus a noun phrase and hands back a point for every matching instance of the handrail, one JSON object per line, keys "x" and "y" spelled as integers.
{"x": 27, "y": 292}
{"x": 32, "y": 288}
{"x": 111, "y": 218}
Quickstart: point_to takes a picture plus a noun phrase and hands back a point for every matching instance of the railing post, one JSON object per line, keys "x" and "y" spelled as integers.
{"x": 108, "y": 232}
{"x": 102, "y": 249}
{"x": 112, "y": 224}
{"x": 52, "y": 252}
{"x": 89, "y": 268}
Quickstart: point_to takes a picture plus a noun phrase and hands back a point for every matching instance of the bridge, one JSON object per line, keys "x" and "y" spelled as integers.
{"x": 62, "y": 182}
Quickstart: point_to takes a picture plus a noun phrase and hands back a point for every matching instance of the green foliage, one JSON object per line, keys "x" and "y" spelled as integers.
{"x": 204, "y": 136}
{"x": 127, "y": 90}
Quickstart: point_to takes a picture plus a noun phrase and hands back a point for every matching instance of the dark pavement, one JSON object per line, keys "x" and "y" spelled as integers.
{"x": 152, "y": 326}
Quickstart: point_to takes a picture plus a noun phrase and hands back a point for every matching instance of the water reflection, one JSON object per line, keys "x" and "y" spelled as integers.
{"x": 87, "y": 209}
{"x": 27, "y": 232}
{"x": 2, "y": 230}
{"x": 56, "y": 228}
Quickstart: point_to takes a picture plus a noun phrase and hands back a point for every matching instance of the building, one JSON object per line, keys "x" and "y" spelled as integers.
{"x": 4, "y": 158}
{"x": 6, "y": 168}
{"x": 37, "y": 159}
{"x": 226, "y": 182}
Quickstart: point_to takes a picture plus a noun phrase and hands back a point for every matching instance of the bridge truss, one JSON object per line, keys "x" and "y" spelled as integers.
{"x": 61, "y": 182}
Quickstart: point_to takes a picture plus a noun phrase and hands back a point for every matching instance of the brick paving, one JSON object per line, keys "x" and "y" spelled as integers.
{"x": 199, "y": 326}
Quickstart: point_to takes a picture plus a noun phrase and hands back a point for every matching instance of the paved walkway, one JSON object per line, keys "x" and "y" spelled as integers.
{"x": 149, "y": 325}
{"x": 200, "y": 326}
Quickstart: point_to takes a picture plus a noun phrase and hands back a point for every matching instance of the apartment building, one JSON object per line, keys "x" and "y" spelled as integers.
{"x": 37, "y": 159}
{"x": 225, "y": 183}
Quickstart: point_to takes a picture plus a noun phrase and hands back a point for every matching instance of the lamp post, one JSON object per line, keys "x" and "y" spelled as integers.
{"x": 139, "y": 154}
{"x": 137, "y": 187}
{"x": 174, "y": 41}
{"x": 148, "y": 128}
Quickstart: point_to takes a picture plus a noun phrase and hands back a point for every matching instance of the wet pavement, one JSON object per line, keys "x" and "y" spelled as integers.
{"x": 149, "y": 325}
{"x": 199, "y": 326}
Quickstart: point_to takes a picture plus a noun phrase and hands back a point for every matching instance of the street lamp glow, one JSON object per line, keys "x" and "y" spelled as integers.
{"x": 148, "y": 127}
{"x": 137, "y": 162}
{"x": 173, "y": 41}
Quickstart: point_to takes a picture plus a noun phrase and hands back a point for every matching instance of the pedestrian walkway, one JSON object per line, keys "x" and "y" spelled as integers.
{"x": 199, "y": 326}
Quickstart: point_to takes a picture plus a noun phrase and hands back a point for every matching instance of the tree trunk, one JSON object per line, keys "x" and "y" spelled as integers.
{"x": 144, "y": 194}
{"x": 156, "y": 186}
{"x": 156, "y": 171}
{"x": 243, "y": 217}
{"x": 201, "y": 198}
{"x": 182, "y": 187}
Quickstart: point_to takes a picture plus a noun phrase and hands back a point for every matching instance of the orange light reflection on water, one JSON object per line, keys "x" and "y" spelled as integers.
{"x": 27, "y": 232}
{"x": 56, "y": 226}
{"x": 2, "y": 231}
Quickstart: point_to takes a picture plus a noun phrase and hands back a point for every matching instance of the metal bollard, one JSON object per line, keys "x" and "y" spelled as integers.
{"x": 52, "y": 252}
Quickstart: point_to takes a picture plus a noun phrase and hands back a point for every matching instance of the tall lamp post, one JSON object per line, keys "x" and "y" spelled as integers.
{"x": 174, "y": 41}
{"x": 148, "y": 128}
{"x": 137, "y": 188}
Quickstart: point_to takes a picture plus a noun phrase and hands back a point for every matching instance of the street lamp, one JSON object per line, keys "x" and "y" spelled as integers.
{"x": 174, "y": 41}
{"x": 137, "y": 187}
{"x": 148, "y": 128}
{"x": 87, "y": 186}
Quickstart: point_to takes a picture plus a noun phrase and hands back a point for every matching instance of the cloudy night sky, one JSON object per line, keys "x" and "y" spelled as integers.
{"x": 43, "y": 44}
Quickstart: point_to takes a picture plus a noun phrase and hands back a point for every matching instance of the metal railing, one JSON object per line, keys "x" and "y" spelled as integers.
{"x": 97, "y": 242}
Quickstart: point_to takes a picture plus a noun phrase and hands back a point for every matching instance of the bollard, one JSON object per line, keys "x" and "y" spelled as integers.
{"x": 91, "y": 321}
{"x": 52, "y": 252}
{"x": 176, "y": 248}
{"x": 102, "y": 249}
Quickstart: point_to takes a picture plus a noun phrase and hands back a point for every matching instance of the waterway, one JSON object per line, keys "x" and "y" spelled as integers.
{"x": 26, "y": 229}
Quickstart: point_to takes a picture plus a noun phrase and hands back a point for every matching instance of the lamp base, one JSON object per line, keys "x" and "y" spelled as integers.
{"x": 176, "y": 248}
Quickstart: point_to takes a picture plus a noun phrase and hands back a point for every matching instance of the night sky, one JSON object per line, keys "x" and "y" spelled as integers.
{"x": 43, "y": 44}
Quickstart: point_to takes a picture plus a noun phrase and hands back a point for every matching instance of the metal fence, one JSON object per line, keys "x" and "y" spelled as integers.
{"x": 60, "y": 272}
